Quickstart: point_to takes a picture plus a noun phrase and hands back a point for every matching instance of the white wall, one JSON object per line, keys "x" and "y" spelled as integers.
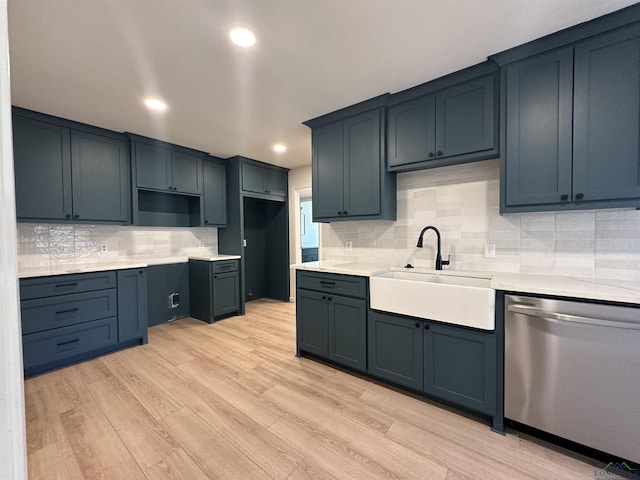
{"x": 299, "y": 179}
{"x": 13, "y": 460}
{"x": 463, "y": 202}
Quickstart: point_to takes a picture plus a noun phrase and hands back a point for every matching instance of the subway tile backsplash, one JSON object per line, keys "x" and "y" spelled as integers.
{"x": 463, "y": 202}
{"x": 56, "y": 245}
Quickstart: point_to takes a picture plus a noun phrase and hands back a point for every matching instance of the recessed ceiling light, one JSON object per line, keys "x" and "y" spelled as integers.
{"x": 242, "y": 36}
{"x": 279, "y": 147}
{"x": 155, "y": 104}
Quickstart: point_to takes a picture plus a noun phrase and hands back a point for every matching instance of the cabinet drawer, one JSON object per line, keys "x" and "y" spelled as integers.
{"x": 54, "y": 312}
{"x": 222, "y": 266}
{"x": 329, "y": 282}
{"x": 67, "y": 342}
{"x": 62, "y": 284}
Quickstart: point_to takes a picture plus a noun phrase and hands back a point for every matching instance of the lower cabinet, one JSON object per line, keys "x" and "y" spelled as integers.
{"x": 450, "y": 363}
{"x": 214, "y": 288}
{"x": 329, "y": 325}
{"x": 68, "y": 318}
{"x": 168, "y": 292}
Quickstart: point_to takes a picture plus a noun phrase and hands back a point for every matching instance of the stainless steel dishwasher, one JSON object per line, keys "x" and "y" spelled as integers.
{"x": 572, "y": 369}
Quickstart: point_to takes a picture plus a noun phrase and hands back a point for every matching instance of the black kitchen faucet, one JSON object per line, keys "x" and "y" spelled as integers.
{"x": 439, "y": 261}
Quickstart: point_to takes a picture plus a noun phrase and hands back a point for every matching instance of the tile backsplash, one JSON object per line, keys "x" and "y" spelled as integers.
{"x": 463, "y": 202}
{"x": 56, "y": 245}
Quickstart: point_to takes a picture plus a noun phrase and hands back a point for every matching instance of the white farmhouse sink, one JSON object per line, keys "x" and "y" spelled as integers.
{"x": 446, "y": 297}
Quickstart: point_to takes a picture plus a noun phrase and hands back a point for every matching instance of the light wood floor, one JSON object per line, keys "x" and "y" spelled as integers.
{"x": 230, "y": 400}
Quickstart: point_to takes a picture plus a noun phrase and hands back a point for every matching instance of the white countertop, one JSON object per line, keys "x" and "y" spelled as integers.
{"x": 119, "y": 264}
{"x": 561, "y": 286}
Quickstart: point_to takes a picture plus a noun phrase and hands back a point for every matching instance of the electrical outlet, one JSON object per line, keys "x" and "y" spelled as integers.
{"x": 490, "y": 250}
{"x": 104, "y": 248}
{"x": 200, "y": 244}
{"x": 348, "y": 245}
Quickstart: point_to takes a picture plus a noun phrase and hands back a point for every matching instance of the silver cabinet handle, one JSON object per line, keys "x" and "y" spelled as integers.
{"x": 532, "y": 311}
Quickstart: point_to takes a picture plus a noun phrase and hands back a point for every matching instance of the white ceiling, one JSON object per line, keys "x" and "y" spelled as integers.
{"x": 94, "y": 60}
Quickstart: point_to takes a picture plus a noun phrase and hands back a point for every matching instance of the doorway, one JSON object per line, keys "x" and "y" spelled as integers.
{"x": 309, "y": 234}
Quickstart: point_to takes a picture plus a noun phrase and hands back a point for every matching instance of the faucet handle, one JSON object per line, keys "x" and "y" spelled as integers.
{"x": 447, "y": 261}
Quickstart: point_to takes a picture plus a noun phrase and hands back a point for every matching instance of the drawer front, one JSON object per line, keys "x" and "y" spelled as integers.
{"x": 62, "y": 284}
{"x": 222, "y": 266}
{"x": 56, "y": 345}
{"x": 350, "y": 285}
{"x": 54, "y": 312}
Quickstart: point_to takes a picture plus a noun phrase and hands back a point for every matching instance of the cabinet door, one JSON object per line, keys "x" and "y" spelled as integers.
{"x": 153, "y": 166}
{"x": 277, "y": 183}
{"x": 363, "y": 164}
{"x": 395, "y": 349}
{"x": 254, "y": 178}
{"x": 606, "y": 140}
{"x": 328, "y": 171}
{"x": 465, "y": 118}
{"x": 101, "y": 185}
{"x": 132, "y": 305}
{"x": 538, "y": 157}
{"x": 411, "y": 132}
{"x": 226, "y": 293}
{"x": 42, "y": 157}
{"x": 460, "y": 366}
{"x": 163, "y": 281}
{"x": 348, "y": 331}
{"x": 312, "y": 322}
{"x": 186, "y": 172}
{"x": 215, "y": 194}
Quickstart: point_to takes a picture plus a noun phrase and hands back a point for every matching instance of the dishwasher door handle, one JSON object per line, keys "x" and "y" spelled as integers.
{"x": 533, "y": 311}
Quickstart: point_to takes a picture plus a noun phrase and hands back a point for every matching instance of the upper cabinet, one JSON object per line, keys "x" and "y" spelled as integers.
{"x": 431, "y": 126}
{"x": 214, "y": 195}
{"x": 263, "y": 180}
{"x": 571, "y": 124}
{"x": 167, "y": 184}
{"x": 161, "y": 167}
{"x": 69, "y": 172}
{"x": 349, "y": 177}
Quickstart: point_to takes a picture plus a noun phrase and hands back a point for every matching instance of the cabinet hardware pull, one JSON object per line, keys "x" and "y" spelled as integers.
{"x": 417, "y": 324}
{"x": 329, "y": 298}
{"x": 439, "y": 153}
{"x": 68, "y": 215}
{"x": 69, "y": 342}
{"x": 344, "y": 212}
{"x": 71, "y": 310}
{"x": 76, "y": 216}
{"x": 426, "y": 327}
{"x": 579, "y": 196}
{"x": 564, "y": 196}
{"x": 431, "y": 155}
{"x": 324, "y": 297}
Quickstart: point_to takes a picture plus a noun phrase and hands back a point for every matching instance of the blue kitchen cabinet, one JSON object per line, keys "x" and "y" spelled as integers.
{"x": 133, "y": 316}
{"x": 214, "y": 194}
{"x": 331, "y": 317}
{"x": 263, "y": 180}
{"x": 449, "y": 363}
{"x": 445, "y": 126}
{"x": 460, "y": 366}
{"x": 214, "y": 288}
{"x": 69, "y": 172}
{"x": 168, "y": 296}
{"x": 349, "y": 176}
{"x": 396, "y": 349}
{"x": 160, "y": 166}
{"x": 571, "y": 124}
{"x": 69, "y": 318}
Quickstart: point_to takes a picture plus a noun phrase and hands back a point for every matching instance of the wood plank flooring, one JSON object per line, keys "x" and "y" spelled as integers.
{"x": 231, "y": 401}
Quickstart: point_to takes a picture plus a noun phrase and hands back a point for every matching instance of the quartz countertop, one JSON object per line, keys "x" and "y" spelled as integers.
{"x": 556, "y": 285}
{"x": 117, "y": 264}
